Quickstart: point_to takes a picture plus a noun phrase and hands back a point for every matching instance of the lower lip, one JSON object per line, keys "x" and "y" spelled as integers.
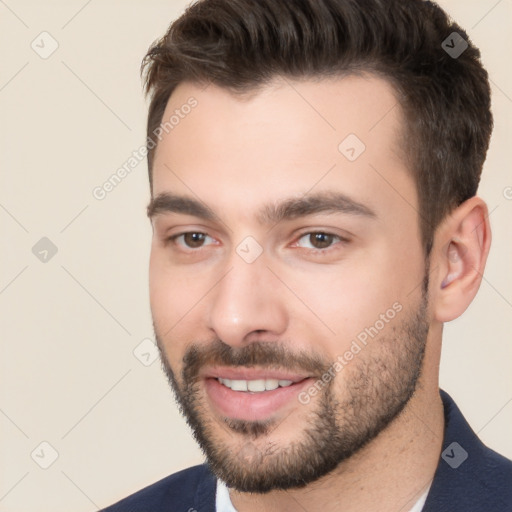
{"x": 248, "y": 406}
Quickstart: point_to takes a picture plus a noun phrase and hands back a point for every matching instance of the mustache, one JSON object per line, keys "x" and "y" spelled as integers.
{"x": 270, "y": 355}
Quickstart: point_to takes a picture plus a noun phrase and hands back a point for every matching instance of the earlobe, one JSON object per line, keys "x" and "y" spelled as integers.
{"x": 464, "y": 241}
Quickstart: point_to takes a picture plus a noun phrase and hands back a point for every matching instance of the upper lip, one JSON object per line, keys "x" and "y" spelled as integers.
{"x": 242, "y": 373}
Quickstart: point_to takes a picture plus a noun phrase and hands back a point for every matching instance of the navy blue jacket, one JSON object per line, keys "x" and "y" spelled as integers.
{"x": 469, "y": 478}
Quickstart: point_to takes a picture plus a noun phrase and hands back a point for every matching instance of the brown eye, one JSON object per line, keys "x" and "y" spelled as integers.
{"x": 317, "y": 240}
{"x": 321, "y": 240}
{"x": 194, "y": 240}
{"x": 191, "y": 239}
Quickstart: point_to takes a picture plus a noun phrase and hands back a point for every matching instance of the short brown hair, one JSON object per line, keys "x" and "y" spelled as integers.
{"x": 243, "y": 44}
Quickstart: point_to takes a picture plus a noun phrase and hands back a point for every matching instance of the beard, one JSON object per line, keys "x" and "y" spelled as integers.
{"x": 350, "y": 410}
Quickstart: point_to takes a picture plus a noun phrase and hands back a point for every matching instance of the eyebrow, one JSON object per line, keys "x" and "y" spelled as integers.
{"x": 271, "y": 213}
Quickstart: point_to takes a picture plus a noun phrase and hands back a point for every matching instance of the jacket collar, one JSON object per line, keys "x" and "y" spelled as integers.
{"x": 469, "y": 475}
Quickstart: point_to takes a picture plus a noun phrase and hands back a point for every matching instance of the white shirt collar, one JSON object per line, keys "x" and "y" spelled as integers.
{"x": 223, "y": 501}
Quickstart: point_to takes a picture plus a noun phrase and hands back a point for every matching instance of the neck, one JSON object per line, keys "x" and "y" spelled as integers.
{"x": 388, "y": 474}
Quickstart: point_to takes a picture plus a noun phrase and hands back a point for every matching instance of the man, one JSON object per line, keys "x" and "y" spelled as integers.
{"x": 313, "y": 168}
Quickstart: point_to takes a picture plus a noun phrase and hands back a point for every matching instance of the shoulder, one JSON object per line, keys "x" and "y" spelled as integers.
{"x": 470, "y": 476}
{"x": 189, "y": 489}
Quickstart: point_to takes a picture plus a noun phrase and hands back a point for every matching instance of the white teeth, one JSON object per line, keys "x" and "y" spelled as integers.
{"x": 255, "y": 386}
{"x": 271, "y": 384}
{"x": 238, "y": 385}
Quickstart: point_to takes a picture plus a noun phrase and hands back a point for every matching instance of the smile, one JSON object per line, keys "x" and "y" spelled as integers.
{"x": 255, "y": 386}
{"x": 253, "y": 394}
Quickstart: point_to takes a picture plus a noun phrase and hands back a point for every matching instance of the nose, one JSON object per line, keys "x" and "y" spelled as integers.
{"x": 247, "y": 304}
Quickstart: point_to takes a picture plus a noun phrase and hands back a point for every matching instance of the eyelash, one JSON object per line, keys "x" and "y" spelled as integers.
{"x": 339, "y": 238}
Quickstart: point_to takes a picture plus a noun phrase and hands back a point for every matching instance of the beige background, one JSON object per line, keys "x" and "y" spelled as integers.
{"x": 69, "y": 376}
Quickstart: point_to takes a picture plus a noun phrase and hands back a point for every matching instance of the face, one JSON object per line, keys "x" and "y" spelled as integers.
{"x": 287, "y": 275}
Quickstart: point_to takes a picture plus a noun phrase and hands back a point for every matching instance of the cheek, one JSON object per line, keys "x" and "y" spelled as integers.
{"x": 159, "y": 281}
{"x": 345, "y": 303}
{"x": 176, "y": 298}
{"x": 353, "y": 296}
{"x": 168, "y": 295}
{"x": 166, "y": 310}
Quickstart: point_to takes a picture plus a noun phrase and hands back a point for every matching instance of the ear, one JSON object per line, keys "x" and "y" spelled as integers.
{"x": 461, "y": 246}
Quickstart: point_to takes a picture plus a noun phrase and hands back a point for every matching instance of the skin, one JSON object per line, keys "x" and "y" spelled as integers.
{"x": 235, "y": 154}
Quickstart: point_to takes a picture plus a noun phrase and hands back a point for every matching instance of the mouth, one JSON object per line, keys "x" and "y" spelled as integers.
{"x": 255, "y": 386}
{"x": 252, "y": 394}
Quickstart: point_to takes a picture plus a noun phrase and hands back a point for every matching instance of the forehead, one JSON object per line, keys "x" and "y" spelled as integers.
{"x": 284, "y": 139}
